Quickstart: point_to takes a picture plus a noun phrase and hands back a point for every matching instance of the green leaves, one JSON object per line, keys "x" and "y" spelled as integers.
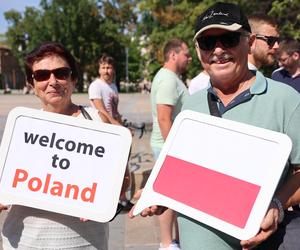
{"x": 90, "y": 27}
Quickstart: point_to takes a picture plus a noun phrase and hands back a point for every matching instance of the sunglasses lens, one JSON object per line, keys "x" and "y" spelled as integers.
{"x": 272, "y": 40}
{"x": 41, "y": 75}
{"x": 44, "y": 74}
{"x": 62, "y": 73}
{"x": 207, "y": 42}
{"x": 230, "y": 40}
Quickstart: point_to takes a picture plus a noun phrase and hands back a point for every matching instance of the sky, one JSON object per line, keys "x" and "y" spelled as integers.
{"x": 18, "y": 5}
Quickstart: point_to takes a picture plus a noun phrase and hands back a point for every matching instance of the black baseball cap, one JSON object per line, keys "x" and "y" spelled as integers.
{"x": 226, "y": 16}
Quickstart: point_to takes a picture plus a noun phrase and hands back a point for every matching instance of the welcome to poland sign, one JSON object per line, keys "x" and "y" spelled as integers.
{"x": 63, "y": 164}
{"x": 217, "y": 171}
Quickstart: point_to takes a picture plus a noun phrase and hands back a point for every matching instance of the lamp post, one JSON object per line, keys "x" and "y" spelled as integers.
{"x": 126, "y": 52}
{"x": 1, "y": 79}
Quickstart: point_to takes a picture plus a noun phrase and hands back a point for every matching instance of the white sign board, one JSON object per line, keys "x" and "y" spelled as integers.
{"x": 219, "y": 172}
{"x": 63, "y": 164}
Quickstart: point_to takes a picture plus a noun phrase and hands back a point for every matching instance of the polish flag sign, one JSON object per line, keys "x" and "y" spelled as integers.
{"x": 219, "y": 172}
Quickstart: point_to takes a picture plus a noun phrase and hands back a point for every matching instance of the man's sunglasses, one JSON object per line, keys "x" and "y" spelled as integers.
{"x": 270, "y": 40}
{"x": 228, "y": 40}
{"x": 44, "y": 74}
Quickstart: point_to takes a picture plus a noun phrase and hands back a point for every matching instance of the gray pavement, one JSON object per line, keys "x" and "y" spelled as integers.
{"x": 125, "y": 234}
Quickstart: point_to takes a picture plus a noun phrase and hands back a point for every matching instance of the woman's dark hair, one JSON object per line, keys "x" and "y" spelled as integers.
{"x": 49, "y": 49}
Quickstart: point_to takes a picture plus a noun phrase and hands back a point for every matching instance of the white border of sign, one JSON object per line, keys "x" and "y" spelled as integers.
{"x": 92, "y": 214}
{"x": 149, "y": 197}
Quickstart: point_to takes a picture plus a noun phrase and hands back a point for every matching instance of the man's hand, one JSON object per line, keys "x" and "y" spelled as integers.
{"x": 150, "y": 211}
{"x": 267, "y": 227}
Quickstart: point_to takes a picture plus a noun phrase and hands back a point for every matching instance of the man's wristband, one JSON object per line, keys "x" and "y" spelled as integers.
{"x": 278, "y": 204}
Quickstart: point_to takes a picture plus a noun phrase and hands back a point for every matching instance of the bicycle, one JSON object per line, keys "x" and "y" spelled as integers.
{"x": 136, "y": 126}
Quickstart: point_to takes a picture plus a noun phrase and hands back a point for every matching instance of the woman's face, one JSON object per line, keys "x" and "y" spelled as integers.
{"x": 52, "y": 81}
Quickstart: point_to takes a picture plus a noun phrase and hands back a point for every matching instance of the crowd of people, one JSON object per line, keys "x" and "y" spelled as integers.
{"x": 231, "y": 48}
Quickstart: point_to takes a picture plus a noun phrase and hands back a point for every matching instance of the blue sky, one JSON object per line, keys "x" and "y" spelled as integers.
{"x": 18, "y": 5}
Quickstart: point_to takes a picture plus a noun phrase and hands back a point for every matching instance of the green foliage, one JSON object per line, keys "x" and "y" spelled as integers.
{"x": 162, "y": 20}
{"x": 81, "y": 25}
{"x": 90, "y": 27}
{"x": 287, "y": 15}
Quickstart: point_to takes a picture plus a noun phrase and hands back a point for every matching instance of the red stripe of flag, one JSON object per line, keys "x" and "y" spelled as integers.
{"x": 222, "y": 196}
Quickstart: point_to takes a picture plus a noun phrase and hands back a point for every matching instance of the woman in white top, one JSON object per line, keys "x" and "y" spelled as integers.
{"x": 52, "y": 72}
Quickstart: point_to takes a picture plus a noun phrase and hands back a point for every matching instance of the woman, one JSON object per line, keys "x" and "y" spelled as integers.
{"x": 52, "y": 72}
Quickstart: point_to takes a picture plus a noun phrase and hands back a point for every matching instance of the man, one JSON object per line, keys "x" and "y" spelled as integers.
{"x": 264, "y": 42}
{"x": 103, "y": 92}
{"x": 103, "y": 95}
{"x": 222, "y": 39}
{"x": 289, "y": 59}
{"x": 167, "y": 95}
{"x": 262, "y": 50}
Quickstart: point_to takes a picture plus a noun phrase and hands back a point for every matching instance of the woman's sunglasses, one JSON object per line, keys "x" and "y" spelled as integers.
{"x": 270, "y": 40}
{"x": 228, "y": 40}
{"x": 44, "y": 74}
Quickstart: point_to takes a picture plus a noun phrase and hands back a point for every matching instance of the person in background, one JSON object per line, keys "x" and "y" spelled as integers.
{"x": 52, "y": 72}
{"x": 288, "y": 56}
{"x": 104, "y": 96}
{"x": 167, "y": 95}
{"x": 201, "y": 81}
{"x": 103, "y": 92}
{"x": 265, "y": 41}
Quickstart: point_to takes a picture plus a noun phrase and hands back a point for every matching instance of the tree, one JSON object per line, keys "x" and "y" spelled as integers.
{"x": 287, "y": 15}
{"x": 123, "y": 13}
{"x": 162, "y": 20}
{"x": 81, "y": 25}
{"x": 89, "y": 27}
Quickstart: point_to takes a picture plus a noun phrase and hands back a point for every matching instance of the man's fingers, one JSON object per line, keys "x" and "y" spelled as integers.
{"x": 148, "y": 211}
{"x": 259, "y": 238}
{"x": 137, "y": 194}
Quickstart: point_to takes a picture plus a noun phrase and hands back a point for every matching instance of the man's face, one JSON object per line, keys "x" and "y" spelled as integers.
{"x": 287, "y": 61}
{"x": 183, "y": 58}
{"x": 224, "y": 63}
{"x": 264, "y": 53}
{"x": 106, "y": 72}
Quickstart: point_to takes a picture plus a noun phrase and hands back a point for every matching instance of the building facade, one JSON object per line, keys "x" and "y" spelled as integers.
{"x": 11, "y": 74}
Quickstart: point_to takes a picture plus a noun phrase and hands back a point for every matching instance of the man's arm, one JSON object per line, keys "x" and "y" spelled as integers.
{"x": 164, "y": 117}
{"x": 98, "y": 103}
{"x": 288, "y": 195}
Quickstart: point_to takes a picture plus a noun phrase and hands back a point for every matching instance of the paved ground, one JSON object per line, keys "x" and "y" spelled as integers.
{"x": 125, "y": 234}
